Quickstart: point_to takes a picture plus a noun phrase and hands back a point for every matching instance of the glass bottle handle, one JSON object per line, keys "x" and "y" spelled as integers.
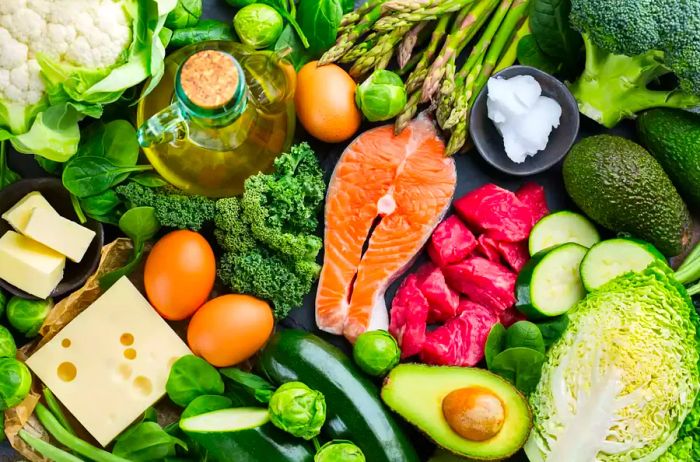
{"x": 167, "y": 126}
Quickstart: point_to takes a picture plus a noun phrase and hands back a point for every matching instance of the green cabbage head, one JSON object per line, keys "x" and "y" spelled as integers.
{"x": 622, "y": 379}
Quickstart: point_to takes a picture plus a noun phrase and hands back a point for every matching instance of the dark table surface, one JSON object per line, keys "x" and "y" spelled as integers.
{"x": 472, "y": 171}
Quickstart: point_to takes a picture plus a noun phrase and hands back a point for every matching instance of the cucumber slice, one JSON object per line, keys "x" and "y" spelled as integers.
{"x": 609, "y": 259}
{"x": 550, "y": 283}
{"x": 560, "y": 228}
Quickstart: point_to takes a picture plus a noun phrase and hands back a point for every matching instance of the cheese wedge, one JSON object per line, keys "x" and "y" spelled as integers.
{"x": 58, "y": 233}
{"x": 111, "y": 362}
{"x": 29, "y": 265}
{"x": 18, "y": 215}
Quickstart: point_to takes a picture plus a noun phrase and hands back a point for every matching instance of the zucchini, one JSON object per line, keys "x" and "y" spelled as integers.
{"x": 550, "y": 283}
{"x": 560, "y": 228}
{"x": 355, "y": 411}
{"x": 614, "y": 257}
{"x": 244, "y": 434}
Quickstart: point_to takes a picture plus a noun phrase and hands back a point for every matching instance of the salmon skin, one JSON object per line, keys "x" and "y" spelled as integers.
{"x": 392, "y": 190}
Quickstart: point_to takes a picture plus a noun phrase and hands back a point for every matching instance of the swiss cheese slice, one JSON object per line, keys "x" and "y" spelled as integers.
{"x": 111, "y": 362}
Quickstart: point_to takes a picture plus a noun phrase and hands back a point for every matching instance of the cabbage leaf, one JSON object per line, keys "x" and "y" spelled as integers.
{"x": 623, "y": 379}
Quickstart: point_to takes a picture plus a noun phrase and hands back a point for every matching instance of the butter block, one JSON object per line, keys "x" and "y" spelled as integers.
{"x": 29, "y": 265}
{"x": 111, "y": 362}
{"x": 59, "y": 233}
{"x": 18, "y": 215}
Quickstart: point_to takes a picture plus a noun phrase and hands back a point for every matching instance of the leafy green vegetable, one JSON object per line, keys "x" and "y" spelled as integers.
{"x": 150, "y": 180}
{"x": 89, "y": 175}
{"x": 146, "y": 442}
{"x": 15, "y": 382}
{"x": 54, "y": 134}
{"x": 524, "y": 334}
{"x": 624, "y": 371}
{"x": 206, "y": 403}
{"x": 115, "y": 141}
{"x": 27, "y": 316}
{"x": 258, "y": 25}
{"x": 173, "y": 208}
{"x": 320, "y": 19}
{"x": 549, "y": 21}
{"x": 339, "y": 451}
{"x": 100, "y": 205}
{"x": 296, "y": 53}
{"x": 376, "y": 352}
{"x": 185, "y": 14}
{"x": 8, "y": 347}
{"x": 530, "y": 54}
{"x": 140, "y": 225}
{"x": 191, "y": 377}
{"x": 348, "y": 6}
{"x": 254, "y": 385}
{"x": 521, "y": 366}
{"x": 297, "y": 409}
{"x": 7, "y": 176}
{"x": 553, "y": 328}
{"x": 208, "y": 29}
{"x": 495, "y": 343}
{"x": 49, "y": 166}
{"x": 382, "y": 96}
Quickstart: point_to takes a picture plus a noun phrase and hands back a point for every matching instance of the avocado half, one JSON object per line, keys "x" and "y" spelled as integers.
{"x": 416, "y": 392}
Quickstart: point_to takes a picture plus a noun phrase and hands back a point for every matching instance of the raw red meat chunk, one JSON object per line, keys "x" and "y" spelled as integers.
{"x": 511, "y": 316}
{"x": 451, "y": 242}
{"x": 483, "y": 281}
{"x": 497, "y": 212}
{"x": 443, "y": 301}
{"x": 460, "y": 341}
{"x": 409, "y": 317}
{"x": 515, "y": 254}
{"x": 487, "y": 247}
{"x": 533, "y": 196}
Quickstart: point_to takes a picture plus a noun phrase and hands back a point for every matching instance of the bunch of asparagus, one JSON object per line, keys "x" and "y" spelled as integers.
{"x": 427, "y": 37}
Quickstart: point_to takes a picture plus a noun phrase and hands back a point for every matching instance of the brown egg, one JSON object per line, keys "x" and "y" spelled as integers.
{"x": 325, "y": 102}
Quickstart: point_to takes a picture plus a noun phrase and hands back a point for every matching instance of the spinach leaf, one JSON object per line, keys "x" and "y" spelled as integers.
{"x": 524, "y": 334}
{"x": 553, "y": 328}
{"x": 146, "y": 442}
{"x": 206, "y": 403}
{"x": 320, "y": 19}
{"x": 254, "y": 385}
{"x": 549, "y": 20}
{"x": 139, "y": 224}
{"x": 191, "y": 377}
{"x": 49, "y": 166}
{"x": 89, "y": 175}
{"x": 348, "y": 6}
{"x": 520, "y": 366}
{"x": 115, "y": 141}
{"x": 297, "y": 54}
{"x": 241, "y": 3}
{"x": 530, "y": 54}
{"x": 149, "y": 180}
{"x": 100, "y": 204}
{"x": 7, "y": 176}
{"x": 495, "y": 343}
{"x": 208, "y": 29}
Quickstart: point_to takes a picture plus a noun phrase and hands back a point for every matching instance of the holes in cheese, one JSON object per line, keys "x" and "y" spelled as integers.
{"x": 67, "y": 371}
{"x": 130, "y": 353}
{"x": 124, "y": 371}
{"x": 126, "y": 339}
{"x": 143, "y": 385}
{"x": 65, "y": 343}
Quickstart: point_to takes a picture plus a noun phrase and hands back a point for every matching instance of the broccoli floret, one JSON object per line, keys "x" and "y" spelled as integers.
{"x": 173, "y": 208}
{"x": 282, "y": 207}
{"x": 631, "y": 44}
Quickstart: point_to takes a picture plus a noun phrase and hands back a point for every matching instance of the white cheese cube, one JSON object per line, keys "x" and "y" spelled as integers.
{"x": 58, "y": 233}
{"x": 29, "y": 265}
{"x": 111, "y": 362}
{"x": 18, "y": 215}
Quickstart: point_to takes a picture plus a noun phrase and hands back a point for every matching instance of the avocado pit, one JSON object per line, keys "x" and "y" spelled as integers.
{"x": 474, "y": 413}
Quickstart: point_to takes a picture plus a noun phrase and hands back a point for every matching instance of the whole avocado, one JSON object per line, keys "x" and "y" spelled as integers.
{"x": 622, "y": 187}
{"x": 672, "y": 136}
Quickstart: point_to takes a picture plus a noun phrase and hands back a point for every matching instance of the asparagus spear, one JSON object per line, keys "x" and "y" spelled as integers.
{"x": 427, "y": 13}
{"x": 408, "y": 113}
{"x": 453, "y": 44}
{"x": 354, "y": 16}
{"x": 415, "y": 80}
{"x": 380, "y": 55}
{"x": 447, "y": 91}
{"x": 403, "y": 55}
{"x": 360, "y": 49}
{"x": 348, "y": 39}
{"x": 510, "y": 55}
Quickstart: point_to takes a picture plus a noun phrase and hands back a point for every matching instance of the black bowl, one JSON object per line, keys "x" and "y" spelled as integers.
{"x": 489, "y": 142}
{"x": 74, "y": 274}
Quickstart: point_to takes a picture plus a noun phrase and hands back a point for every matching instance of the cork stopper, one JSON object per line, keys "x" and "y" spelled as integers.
{"x": 209, "y": 79}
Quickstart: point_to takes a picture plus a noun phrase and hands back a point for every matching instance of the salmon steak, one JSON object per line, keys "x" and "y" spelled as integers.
{"x": 386, "y": 196}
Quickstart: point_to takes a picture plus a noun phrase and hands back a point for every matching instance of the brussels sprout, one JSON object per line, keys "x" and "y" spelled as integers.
{"x": 15, "y": 382}
{"x": 191, "y": 377}
{"x": 382, "y": 96}
{"x": 297, "y": 409}
{"x": 27, "y": 316}
{"x": 339, "y": 451}
{"x": 8, "y": 348}
{"x": 376, "y": 352}
{"x": 258, "y": 25}
{"x": 185, "y": 14}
